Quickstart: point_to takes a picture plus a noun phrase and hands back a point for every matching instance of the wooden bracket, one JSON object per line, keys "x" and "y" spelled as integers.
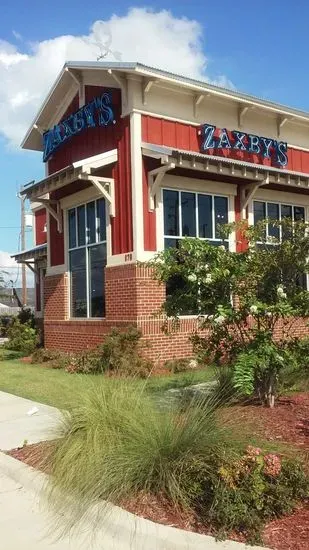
{"x": 249, "y": 190}
{"x": 122, "y": 83}
{"x": 106, "y": 186}
{"x": 147, "y": 84}
{"x": 281, "y": 121}
{"x": 155, "y": 178}
{"x": 57, "y": 214}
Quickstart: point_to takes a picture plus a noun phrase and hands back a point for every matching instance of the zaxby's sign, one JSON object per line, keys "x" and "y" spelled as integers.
{"x": 99, "y": 112}
{"x": 219, "y": 139}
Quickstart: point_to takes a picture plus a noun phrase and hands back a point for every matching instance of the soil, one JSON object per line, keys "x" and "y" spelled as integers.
{"x": 287, "y": 423}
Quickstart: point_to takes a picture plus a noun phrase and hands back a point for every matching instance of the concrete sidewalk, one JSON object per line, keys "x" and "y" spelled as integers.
{"x": 17, "y": 426}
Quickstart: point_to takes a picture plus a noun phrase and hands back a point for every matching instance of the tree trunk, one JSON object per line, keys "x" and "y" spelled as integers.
{"x": 270, "y": 394}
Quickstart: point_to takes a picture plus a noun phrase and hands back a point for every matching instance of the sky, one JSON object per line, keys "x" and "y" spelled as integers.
{"x": 259, "y": 48}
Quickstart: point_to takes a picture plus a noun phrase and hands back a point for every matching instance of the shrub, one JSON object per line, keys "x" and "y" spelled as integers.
{"x": 22, "y": 337}
{"x": 26, "y": 315}
{"x": 85, "y": 362}
{"x": 56, "y": 359}
{"x": 118, "y": 443}
{"x": 5, "y": 322}
{"x": 245, "y": 493}
{"x": 121, "y": 352}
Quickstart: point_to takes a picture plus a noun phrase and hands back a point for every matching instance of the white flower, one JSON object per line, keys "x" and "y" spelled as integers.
{"x": 219, "y": 320}
{"x": 253, "y": 309}
{"x": 268, "y": 314}
{"x": 206, "y": 266}
{"x": 283, "y": 295}
{"x": 192, "y": 278}
{"x": 222, "y": 247}
{"x": 208, "y": 279}
{"x": 280, "y": 291}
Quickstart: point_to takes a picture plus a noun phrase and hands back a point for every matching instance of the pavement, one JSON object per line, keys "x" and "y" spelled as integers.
{"x": 25, "y": 523}
{"x": 24, "y": 421}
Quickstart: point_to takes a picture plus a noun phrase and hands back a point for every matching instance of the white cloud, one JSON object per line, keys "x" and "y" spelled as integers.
{"x": 154, "y": 38}
{"x": 11, "y": 271}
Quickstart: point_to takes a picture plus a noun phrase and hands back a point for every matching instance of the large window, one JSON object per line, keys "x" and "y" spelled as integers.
{"x": 87, "y": 258}
{"x": 276, "y": 212}
{"x": 189, "y": 214}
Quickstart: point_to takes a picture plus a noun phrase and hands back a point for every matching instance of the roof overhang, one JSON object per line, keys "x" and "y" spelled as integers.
{"x": 75, "y": 74}
{"x": 76, "y": 171}
{"x": 244, "y": 171}
{"x": 32, "y": 254}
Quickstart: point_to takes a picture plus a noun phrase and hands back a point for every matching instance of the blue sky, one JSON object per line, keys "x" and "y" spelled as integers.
{"x": 259, "y": 48}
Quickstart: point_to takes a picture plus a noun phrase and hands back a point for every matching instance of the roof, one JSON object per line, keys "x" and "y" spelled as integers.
{"x": 39, "y": 251}
{"x": 62, "y": 89}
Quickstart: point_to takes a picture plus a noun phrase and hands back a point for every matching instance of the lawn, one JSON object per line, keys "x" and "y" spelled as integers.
{"x": 58, "y": 388}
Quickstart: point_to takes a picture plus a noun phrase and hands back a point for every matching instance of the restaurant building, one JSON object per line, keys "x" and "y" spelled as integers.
{"x": 137, "y": 158}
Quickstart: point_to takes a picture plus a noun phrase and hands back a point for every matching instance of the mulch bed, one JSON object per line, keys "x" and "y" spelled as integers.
{"x": 288, "y": 423}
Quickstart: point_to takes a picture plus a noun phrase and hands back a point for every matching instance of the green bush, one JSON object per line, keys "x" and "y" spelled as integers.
{"x": 26, "y": 315}
{"x": 117, "y": 443}
{"x": 5, "y": 322}
{"x": 122, "y": 353}
{"x": 56, "y": 359}
{"x": 22, "y": 337}
{"x": 85, "y": 362}
{"x": 245, "y": 493}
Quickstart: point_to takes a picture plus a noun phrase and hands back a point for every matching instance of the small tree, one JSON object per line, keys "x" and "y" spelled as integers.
{"x": 247, "y": 303}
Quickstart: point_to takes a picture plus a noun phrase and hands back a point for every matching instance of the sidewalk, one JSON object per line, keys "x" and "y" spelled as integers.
{"x": 18, "y": 427}
{"x": 25, "y": 524}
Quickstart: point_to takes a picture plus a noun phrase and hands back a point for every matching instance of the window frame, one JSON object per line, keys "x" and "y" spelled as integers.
{"x": 280, "y": 204}
{"x": 196, "y": 193}
{"x": 84, "y": 202}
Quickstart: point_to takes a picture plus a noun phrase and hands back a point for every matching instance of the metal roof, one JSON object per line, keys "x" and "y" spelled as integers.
{"x": 63, "y": 84}
{"x": 38, "y": 251}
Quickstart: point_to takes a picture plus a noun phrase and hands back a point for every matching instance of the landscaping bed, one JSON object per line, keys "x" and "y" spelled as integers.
{"x": 287, "y": 423}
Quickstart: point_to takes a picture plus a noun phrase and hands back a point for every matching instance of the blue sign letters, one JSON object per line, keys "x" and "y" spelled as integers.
{"x": 268, "y": 148}
{"x": 98, "y": 112}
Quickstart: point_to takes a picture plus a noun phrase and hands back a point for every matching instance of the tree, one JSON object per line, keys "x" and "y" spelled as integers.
{"x": 247, "y": 303}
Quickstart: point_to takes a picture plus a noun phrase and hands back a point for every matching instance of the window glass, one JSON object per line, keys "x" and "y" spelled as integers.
{"x": 91, "y": 223}
{"x": 72, "y": 228}
{"x": 299, "y": 213}
{"x": 221, "y": 214}
{"x": 205, "y": 216}
{"x": 101, "y": 216}
{"x": 286, "y": 211}
{"x": 188, "y": 215}
{"x": 259, "y": 211}
{"x": 97, "y": 262}
{"x": 81, "y": 225}
{"x": 78, "y": 283}
{"x": 171, "y": 212}
{"x": 273, "y": 214}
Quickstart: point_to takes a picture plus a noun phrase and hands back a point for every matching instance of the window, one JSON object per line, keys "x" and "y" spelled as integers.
{"x": 87, "y": 258}
{"x": 276, "y": 211}
{"x": 189, "y": 214}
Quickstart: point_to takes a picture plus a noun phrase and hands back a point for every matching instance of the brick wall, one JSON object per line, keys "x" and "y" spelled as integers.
{"x": 132, "y": 297}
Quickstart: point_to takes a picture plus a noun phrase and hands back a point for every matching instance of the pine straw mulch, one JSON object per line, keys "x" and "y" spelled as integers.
{"x": 287, "y": 423}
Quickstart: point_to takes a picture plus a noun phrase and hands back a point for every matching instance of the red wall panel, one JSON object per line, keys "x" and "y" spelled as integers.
{"x": 56, "y": 243}
{"x": 94, "y": 141}
{"x": 40, "y": 221}
{"x": 185, "y": 136}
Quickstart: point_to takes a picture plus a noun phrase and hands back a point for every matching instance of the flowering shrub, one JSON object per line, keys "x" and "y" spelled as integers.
{"x": 242, "y": 300}
{"x": 249, "y": 490}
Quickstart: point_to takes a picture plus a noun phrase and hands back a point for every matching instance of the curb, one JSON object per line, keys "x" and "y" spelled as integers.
{"x": 123, "y": 529}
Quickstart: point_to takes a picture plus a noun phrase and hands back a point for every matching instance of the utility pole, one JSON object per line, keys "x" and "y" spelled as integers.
{"x": 23, "y": 246}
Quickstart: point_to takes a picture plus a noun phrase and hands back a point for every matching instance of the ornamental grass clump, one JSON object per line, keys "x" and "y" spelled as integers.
{"x": 117, "y": 443}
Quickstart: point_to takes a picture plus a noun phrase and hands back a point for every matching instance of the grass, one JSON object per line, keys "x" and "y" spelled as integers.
{"x": 117, "y": 444}
{"x": 60, "y": 389}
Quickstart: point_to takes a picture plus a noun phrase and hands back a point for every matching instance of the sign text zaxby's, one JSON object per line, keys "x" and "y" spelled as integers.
{"x": 98, "y": 112}
{"x": 240, "y": 141}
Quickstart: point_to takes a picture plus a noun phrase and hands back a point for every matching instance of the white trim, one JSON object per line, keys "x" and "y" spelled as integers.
{"x": 56, "y": 270}
{"x": 279, "y": 197}
{"x": 97, "y": 161}
{"x": 137, "y": 184}
{"x": 76, "y": 199}
{"x": 48, "y": 239}
{"x": 199, "y": 185}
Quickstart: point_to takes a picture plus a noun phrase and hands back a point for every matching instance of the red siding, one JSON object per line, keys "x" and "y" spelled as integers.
{"x": 40, "y": 221}
{"x": 149, "y": 217}
{"x": 94, "y": 141}
{"x": 185, "y": 136}
{"x": 56, "y": 243}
